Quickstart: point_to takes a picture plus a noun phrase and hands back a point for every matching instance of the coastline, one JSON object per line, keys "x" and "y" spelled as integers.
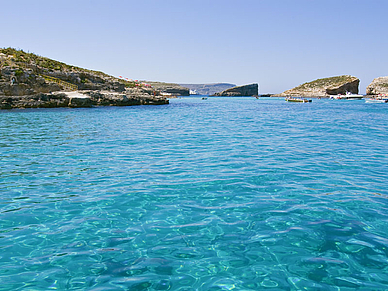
{"x": 75, "y": 99}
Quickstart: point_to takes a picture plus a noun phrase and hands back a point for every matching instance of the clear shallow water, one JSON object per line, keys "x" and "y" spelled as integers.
{"x": 222, "y": 194}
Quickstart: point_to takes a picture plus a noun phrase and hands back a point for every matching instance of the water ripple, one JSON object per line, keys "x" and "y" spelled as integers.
{"x": 227, "y": 194}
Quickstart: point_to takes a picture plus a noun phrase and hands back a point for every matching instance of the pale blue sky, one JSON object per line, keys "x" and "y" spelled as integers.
{"x": 276, "y": 43}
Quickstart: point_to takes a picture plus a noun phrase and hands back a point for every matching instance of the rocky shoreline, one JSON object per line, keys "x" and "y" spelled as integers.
{"x": 76, "y": 99}
{"x": 31, "y": 81}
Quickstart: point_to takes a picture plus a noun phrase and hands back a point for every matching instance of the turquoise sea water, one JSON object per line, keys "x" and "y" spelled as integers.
{"x": 217, "y": 194}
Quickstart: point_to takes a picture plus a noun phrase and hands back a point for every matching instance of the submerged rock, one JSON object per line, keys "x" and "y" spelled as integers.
{"x": 245, "y": 90}
{"x": 325, "y": 87}
{"x": 378, "y": 86}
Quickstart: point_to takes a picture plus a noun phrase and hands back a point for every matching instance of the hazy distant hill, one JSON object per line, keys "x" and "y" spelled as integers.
{"x": 208, "y": 89}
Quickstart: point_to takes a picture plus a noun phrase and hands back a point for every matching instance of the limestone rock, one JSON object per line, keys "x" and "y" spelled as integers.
{"x": 41, "y": 100}
{"x": 245, "y": 90}
{"x": 19, "y": 82}
{"x": 31, "y": 81}
{"x": 128, "y": 98}
{"x": 84, "y": 99}
{"x": 324, "y": 87}
{"x": 378, "y": 86}
{"x": 77, "y": 99}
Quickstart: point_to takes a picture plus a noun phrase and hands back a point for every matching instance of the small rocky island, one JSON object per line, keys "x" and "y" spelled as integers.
{"x": 378, "y": 86}
{"x": 31, "y": 81}
{"x": 324, "y": 87}
{"x": 238, "y": 91}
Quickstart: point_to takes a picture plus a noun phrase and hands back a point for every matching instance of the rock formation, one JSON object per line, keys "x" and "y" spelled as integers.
{"x": 245, "y": 90}
{"x": 324, "y": 87}
{"x": 81, "y": 99}
{"x": 31, "y": 81}
{"x": 378, "y": 86}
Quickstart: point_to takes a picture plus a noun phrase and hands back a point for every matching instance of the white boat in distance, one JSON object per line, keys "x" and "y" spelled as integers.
{"x": 378, "y": 99}
{"x": 348, "y": 96}
{"x": 193, "y": 92}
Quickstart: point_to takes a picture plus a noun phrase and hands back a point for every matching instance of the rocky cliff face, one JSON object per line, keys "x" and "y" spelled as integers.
{"x": 325, "y": 87}
{"x": 27, "y": 80}
{"x": 17, "y": 82}
{"x": 378, "y": 86}
{"x": 238, "y": 91}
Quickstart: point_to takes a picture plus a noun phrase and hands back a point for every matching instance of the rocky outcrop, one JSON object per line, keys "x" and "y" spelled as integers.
{"x": 324, "y": 87}
{"x": 31, "y": 81}
{"x": 18, "y": 82}
{"x": 378, "y": 86}
{"x": 128, "y": 98}
{"x": 238, "y": 91}
{"x": 84, "y": 99}
{"x": 41, "y": 100}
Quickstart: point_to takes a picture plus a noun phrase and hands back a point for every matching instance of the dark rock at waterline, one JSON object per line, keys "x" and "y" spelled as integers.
{"x": 42, "y": 100}
{"x": 77, "y": 99}
{"x": 127, "y": 98}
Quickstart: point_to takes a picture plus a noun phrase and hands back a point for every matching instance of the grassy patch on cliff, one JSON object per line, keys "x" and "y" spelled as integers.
{"x": 20, "y": 59}
{"x": 326, "y": 82}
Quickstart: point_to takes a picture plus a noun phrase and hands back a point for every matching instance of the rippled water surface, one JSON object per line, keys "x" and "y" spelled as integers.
{"x": 217, "y": 194}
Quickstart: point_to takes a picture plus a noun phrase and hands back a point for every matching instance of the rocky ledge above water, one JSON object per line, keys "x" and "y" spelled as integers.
{"x": 87, "y": 98}
{"x": 238, "y": 91}
{"x": 378, "y": 86}
{"x": 324, "y": 87}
